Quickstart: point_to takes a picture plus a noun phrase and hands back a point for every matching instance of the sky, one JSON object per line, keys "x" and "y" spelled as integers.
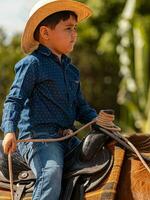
{"x": 13, "y": 14}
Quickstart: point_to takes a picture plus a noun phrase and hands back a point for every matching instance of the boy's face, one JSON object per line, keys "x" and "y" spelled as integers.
{"x": 62, "y": 38}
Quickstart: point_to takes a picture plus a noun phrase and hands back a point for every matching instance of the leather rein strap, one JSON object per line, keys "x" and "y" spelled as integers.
{"x": 105, "y": 121}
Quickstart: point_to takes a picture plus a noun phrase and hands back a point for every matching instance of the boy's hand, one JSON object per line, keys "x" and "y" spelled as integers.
{"x": 9, "y": 143}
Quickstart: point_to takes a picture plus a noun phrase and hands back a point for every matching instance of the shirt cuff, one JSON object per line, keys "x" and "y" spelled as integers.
{"x": 8, "y": 127}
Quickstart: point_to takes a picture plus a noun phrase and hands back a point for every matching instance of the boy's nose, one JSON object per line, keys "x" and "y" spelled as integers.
{"x": 74, "y": 34}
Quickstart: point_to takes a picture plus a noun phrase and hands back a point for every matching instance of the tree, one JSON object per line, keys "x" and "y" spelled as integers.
{"x": 9, "y": 54}
{"x": 133, "y": 50}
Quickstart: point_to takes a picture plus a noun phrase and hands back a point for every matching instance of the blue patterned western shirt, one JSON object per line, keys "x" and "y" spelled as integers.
{"x": 45, "y": 95}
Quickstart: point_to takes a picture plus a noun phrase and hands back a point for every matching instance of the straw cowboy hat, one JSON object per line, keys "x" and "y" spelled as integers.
{"x": 43, "y": 9}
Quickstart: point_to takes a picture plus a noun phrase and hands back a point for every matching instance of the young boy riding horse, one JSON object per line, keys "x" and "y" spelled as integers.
{"x": 45, "y": 97}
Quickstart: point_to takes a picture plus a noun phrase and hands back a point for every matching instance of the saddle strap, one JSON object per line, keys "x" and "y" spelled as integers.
{"x": 19, "y": 192}
{"x": 78, "y": 192}
{"x": 69, "y": 188}
{"x": 5, "y": 185}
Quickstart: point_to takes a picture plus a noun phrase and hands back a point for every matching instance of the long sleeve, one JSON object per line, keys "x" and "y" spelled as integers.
{"x": 20, "y": 90}
{"x": 85, "y": 113}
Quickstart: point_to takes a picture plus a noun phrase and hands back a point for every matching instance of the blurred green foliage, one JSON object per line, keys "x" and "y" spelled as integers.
{"x": 9, "y": 55}
{"x": 96, "y": 55}
{"x": 133, "y": 50}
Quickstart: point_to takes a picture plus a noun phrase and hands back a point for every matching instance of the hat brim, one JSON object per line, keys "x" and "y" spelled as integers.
{"x": 28, "y": 43}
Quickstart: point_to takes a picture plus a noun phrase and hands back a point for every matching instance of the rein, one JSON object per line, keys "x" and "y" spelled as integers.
{"x": 105, "y": 121}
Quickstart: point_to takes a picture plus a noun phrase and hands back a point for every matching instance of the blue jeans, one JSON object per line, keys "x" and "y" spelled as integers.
{"x": 46, "y": 161}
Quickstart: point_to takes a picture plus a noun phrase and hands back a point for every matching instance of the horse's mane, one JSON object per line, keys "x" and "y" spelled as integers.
{"x": 142, "y": 143}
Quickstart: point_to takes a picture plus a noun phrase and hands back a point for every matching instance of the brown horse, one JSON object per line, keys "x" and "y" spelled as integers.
{"x": 134, "y": 182}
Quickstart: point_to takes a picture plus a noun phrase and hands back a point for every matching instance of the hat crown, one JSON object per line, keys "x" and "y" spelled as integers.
{"x": 40, "y": 4}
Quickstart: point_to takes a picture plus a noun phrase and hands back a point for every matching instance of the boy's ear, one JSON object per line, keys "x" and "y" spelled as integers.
{"x": 44, "y": 32}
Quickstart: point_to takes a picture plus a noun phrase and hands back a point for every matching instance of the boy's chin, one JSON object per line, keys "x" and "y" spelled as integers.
{"x": 68, "y": 51}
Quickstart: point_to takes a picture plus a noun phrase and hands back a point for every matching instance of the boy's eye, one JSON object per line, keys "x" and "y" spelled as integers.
{"x": 68, "y": 28}
{"x": 71, "y": 28}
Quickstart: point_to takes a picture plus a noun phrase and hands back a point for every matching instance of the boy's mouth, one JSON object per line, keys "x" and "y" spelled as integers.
{"x": 72, "y": 42}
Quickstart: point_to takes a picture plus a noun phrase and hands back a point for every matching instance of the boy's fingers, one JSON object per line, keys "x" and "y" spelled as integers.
{"x": 9, "y": 146}
{"x": 13, "y": 146}
{"x": 6, "y": 147}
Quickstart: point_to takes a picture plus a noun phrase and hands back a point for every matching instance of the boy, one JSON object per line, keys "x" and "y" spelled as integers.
{"x": 45, "y": 97}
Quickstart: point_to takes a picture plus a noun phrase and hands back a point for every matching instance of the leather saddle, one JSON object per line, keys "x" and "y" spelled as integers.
{"x": 23, "y": 177}
{"x": 85, "y": 167}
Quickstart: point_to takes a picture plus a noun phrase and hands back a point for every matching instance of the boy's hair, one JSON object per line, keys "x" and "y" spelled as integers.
{"x": 52, "y": 20}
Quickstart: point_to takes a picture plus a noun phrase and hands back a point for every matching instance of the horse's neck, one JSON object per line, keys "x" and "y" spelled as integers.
{"x": 134, "y": 178}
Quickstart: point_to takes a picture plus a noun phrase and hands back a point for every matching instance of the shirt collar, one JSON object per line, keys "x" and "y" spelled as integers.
{"x": 46, "y": 51}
